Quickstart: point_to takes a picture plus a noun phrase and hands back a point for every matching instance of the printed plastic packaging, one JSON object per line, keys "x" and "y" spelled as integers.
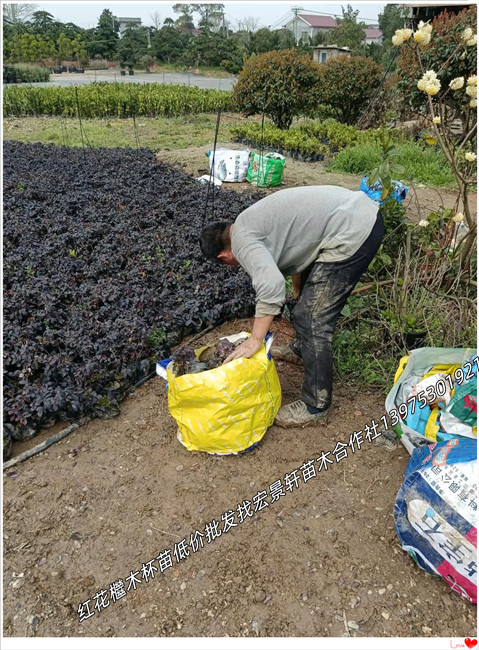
{"x": 436, "y": 512}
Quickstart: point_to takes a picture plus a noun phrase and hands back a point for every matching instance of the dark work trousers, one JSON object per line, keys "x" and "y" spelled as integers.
{"x": 325, "y": 288}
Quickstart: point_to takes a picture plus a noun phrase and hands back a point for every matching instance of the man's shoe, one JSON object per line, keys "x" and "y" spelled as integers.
{"x": 285, "y": 353}
{"x": 296, "y": 414}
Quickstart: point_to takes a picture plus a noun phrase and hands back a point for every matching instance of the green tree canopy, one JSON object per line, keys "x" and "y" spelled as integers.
{"x": 211, "y": 14}
{"x": 349, "y": 32}
{"x": 266, "y": 40}
{"x": 42, "y": 20}
{"x": 169, "y": 42}
{"x": 391, "y": 18}
{"x": 106, "y": 35}
{"x": 133, "y": 45}
{"x": 282, "y": 83}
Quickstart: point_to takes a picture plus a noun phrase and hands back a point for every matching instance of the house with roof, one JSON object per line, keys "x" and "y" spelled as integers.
{"x": 373, "y": 35}
{"x": 124, "y": 23}
{"x": 306, "y": 25}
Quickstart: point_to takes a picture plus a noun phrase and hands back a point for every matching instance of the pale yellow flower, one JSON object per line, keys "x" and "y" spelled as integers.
{"x": 429, "y": 82}
{"x": 473, "y": 103}
{"x": 472, "y": 80}
{"x": 472, "y": 41}
{"x": 436, "y": 120}
{"x": 458, "y": 217}
{"x": 397, "y": 39}
{"x": 471, "y": 91}
{"x": 406, "y": 34}
{"x": 422, "y": 37}
{"x": 433, "y": 87}
{"x": 467, "y": 34}
{"x": 419, "y": 36}
{"x": 470, "y": 156}
{"x": 427, "y": 27}
{"x": 456, "y": 83}
{"x": 424, "y": 223}
{"x": 426, "y": 38}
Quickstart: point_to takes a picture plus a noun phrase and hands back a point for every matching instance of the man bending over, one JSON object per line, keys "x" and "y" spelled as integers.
{"x": 324, "y": 237}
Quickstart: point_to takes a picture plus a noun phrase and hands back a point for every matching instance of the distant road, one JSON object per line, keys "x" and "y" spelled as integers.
{"x": 183, "y": 78}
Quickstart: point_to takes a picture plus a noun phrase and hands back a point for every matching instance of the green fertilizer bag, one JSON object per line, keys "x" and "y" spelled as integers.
{"x": 267, "y": 170}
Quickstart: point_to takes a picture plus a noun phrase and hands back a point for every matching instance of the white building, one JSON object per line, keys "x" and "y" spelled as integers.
{"x": 304, "y": 25}
{"x": 128, "y": 22}
{"x": 321, "y": 53}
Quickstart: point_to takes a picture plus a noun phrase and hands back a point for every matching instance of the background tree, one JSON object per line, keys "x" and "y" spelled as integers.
{"x": 349, "y": 32}
{"x": 211, "y": 14}
{"x": 212, "y": 49}
{"x": 375, "y": 51}
{"x": 248, "y": 24}
{"x": 42, "y": 21}
{"x": 184, "y": 22}
{"x": 243, "y": 40}
{"x": 64, "y": 48}
{"x": 392, "y": 17}
{"x": 106, "y": 35}
{"x": 19, "y": 12}
{"x": 266, "y": 40}
{"x": 283, "y": 83}
{"x": 133, "y": 45}
{"x": 169, "y": 42}
{"x": 46, "y": 49}
{"x": 320, "y": 38}
{"x": 155, "y": 18}
{"x": 79, "y": 50}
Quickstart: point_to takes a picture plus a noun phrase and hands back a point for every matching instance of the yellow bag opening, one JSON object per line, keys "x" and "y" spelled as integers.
{"x": 228, "y": 409}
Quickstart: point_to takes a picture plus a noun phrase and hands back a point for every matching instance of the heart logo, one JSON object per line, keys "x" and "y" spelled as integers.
{"x": 470, "y": 643}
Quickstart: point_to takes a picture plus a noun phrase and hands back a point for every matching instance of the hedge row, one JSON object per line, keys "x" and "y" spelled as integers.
{"x": 114, "y": 100}
{"x": 24, "y": 73}
{"x": 309, "y": 141}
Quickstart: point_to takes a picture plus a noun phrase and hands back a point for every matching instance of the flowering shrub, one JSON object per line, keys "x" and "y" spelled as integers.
{"x": 446, "y": 95}
{"x": 446, "y": 32}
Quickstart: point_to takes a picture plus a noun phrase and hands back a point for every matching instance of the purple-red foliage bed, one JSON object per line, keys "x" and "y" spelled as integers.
{"x": 102, "y": 274}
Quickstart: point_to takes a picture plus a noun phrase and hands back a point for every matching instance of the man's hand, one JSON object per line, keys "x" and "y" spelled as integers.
{"x": 246, "y": 349}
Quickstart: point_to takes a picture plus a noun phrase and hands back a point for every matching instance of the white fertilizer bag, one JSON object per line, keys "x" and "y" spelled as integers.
{"x": 230, "y": 165}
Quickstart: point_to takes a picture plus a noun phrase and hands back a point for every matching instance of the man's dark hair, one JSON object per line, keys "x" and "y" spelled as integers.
{"x": 215, "y": 237}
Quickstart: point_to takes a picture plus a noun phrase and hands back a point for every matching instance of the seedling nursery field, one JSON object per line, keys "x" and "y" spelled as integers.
{"x": 103, "y": 274}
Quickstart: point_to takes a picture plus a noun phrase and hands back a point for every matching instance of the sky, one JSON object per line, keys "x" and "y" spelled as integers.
{"x": 269, "y": 14}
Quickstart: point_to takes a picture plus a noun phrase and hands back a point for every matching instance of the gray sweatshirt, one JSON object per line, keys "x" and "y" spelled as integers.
{"x": 289, "y": 230}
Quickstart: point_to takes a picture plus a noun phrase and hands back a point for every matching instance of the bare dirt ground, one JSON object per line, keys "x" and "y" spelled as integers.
{"x": 421, "y": 200}
{"x": 116, "y": 493}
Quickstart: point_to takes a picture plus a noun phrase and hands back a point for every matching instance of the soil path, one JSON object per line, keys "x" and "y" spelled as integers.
{"x": 116, "y": 493}
{"x": 419, "y": 203}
